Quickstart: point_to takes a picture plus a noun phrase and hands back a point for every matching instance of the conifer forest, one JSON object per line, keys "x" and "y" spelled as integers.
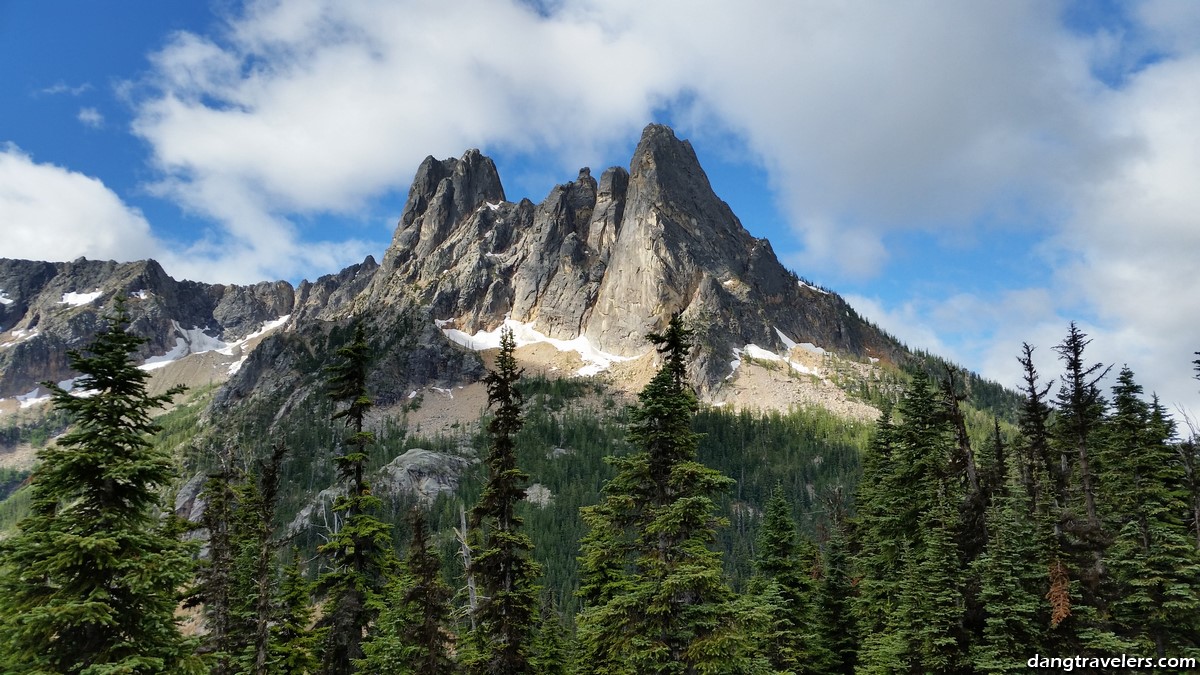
{"x": 971, "y": 529}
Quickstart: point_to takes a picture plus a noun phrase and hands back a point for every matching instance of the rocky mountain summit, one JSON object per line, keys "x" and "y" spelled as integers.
{"x": 607, "y": 261}
{"x": 48, "y": 308}
{"x": 592, "y": 268}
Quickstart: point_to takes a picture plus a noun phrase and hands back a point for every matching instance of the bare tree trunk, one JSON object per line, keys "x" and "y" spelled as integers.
{"x": 465, "y": 552}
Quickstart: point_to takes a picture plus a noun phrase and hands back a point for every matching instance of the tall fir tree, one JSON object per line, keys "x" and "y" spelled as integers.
{"x": 1080, "y": 410}
{"x": 503, "y": 567}
{"x": 911, "y": 600}
{"x": 1154, "y": 564}
{"x": 837, "y": 630}
{"x": 360, "y": 553}
{"x": 1084, "y": 541}
{"x": 1012, "y": 580}
{"x": 786, "y": 570}
{"x": 258, "y": 510}
{"x": 293, "y": 646}
{"x": 1035, "y": 455}
{"x": 91, "y": 579}
{"x": 662, "y": 606}
{"x": 551, "y": 647}
{"x": 412, "y": 635}
{"x": 214, "y": 588}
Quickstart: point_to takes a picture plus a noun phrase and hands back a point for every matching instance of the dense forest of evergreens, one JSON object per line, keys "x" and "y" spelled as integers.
{"x": 969, "y": 530}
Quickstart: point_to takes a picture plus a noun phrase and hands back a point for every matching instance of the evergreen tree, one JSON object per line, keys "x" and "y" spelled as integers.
{"x": 1012, "y": 578}
{"x": 360, "y": 553}
{"x": 1153, "y": 561}
{"x": 837, "y": 632}
{"x": 1036, "y": 456}
{"x": 214, "y": 587}
{"x": 258, "y": 510}
{"x": 911, "y": 603}
{"x": 786, "y": 569}
{"x": 91, "y": 579}
{"x": 503, "y": 567}
{"x": 663, "y": 607}
{"x": 551, "y": 651}
{"x": 931, "y": 595}
{"x": 293, "y": 647}
{"x": 1080, "y": 410}
{"x": 878, "y": 533}
{"x": 412, "y": 634}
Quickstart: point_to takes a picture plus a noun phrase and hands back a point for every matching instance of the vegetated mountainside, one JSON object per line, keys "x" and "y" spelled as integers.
{"x": 581, "y": 277}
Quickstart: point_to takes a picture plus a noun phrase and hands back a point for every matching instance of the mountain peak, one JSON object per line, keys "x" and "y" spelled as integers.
{"x": 607, "y": 260}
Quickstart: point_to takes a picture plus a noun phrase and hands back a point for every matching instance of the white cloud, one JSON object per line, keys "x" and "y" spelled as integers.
{"x": 90, "y": 117}
{"x": 1134, "y": 239}
{"x": 314, "y": 106}
{"x": 51, "y": 213}
{"x": 872, "y": 121}
{"x": 869, "y": 119}
{"x": 63, "y": 88}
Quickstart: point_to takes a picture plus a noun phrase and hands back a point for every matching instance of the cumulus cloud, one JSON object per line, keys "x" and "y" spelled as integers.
{"x": 90, "y": 117}
{"x": 314, "y": 105}
{"x": 870, "y": 121}
{"x": 51, "y": 213}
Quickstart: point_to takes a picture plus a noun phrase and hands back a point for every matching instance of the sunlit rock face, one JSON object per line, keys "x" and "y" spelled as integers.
{"x": 607, "y": 261}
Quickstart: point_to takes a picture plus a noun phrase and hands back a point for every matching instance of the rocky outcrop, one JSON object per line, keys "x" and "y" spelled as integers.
{"x": 417, "y": 474}
{"x": 50, "y": 308}
{"x": 608, "y": 260}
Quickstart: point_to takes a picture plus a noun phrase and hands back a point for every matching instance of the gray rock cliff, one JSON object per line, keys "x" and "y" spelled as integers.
{"x": 608, "y": 260}
{"x": 50, "y": 308}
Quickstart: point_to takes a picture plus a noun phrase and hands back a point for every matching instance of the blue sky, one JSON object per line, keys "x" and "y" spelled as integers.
{"x": 969, "y": 174}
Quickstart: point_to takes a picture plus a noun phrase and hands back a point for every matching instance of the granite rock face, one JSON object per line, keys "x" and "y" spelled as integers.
{"x": 608, "y": 260}
{"x": 48, "y": 308}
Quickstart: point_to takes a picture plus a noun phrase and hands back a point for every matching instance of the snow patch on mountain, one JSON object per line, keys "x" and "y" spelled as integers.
{"x": 19, "y": 337}
{"x": 80, "y": 299}
{"x": 4, "y": 299}
{"x": 808, "y": 346}
{"x": 755, "y": 352}
{"x": 33, "y": 397}
{"x": 787, "y": 341}
{"x": 525, "y": 334}
{"x": 187, "y": 341}
{"x": 196, "y": 341}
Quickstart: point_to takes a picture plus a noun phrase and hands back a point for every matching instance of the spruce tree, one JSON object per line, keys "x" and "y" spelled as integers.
{"x": 663, "y": 606}
{"x": 1080, "y": 409}
{"x": 551, "y": 649}
{"x": 412, "y": 635}
{"x": 932, "y": 596}
{"x": 215, "y": 582}
{"x": 1012, "y": 577}
{"x": 911, "y": 603}
{"x": 360, "y": 554}
{"x": 1154, "y": 564}
{"x": 837, "y": 631}
{"x": 784, "y": 584}
{"x": 258, "y": 512}
{"x": 506, "y": 618}
{"x": 292, "y": 646}
{"x": 1035, "y": 453}
{"x": 91, "y": 579}
{"x": 1084, "y": 540}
